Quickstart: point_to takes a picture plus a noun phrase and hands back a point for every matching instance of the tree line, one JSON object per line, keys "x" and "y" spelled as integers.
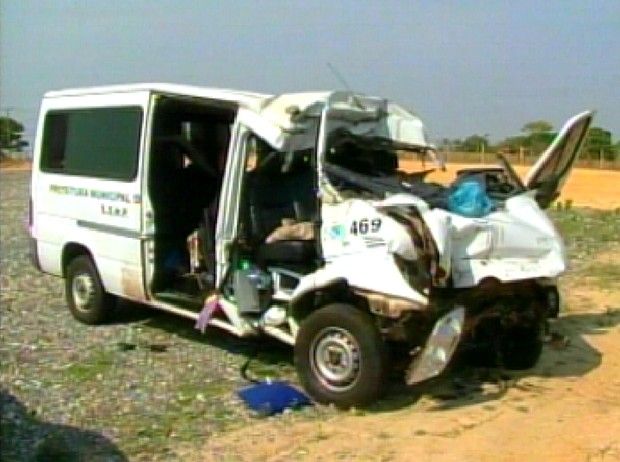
{"x": 534, "y": 138}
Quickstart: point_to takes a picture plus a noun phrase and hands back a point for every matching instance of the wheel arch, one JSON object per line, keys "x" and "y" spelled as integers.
{"x": 72, "y": 250}
{"x": 334, "y": 290}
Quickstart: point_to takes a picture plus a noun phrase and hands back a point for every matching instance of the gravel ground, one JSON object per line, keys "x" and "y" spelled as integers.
{"x": 130, "y": 389}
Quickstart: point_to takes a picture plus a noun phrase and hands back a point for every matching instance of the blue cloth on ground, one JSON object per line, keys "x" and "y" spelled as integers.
{"x": 268, "y": 398}
{"x": 470, "y": 199}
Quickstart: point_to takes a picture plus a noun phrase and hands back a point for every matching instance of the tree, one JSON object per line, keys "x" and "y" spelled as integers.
{"x": 450, "y": 144}
{"x": 537, "y": 126}
{"x": 512, "y": 144}
{"x": 11, "y": 132}
{"x": 598, "y": 143}
{"x": 475, "y": 143}
{"x": 538, "y": 142}
{"x": 537, "y": 135}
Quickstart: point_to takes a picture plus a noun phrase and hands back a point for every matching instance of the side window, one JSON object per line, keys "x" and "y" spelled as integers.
{"x": 102, "y": 142}
{"x": 257, "y": 151}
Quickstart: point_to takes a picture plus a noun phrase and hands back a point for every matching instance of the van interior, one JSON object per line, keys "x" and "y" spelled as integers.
{"x": 190, "y": 143}
{"x": 278, "y": 203}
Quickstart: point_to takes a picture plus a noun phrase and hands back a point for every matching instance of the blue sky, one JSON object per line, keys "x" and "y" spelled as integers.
{"x": 466, "y": 67}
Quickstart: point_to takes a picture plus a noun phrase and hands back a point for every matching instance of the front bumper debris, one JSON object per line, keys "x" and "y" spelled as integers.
{"x": 439, "y": 348}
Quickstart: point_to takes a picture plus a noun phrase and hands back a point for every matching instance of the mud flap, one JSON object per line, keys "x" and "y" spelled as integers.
{"x": 439, "y": 348}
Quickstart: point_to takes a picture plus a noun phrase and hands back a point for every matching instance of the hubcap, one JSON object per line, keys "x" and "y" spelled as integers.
{"x": 335, "y": 358}
{"x": 82, "y": 289}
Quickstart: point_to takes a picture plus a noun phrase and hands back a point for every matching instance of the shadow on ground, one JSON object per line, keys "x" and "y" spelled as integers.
{"x": 464, "y": 385}
{"x": 24, "y": 437}
{"x": 129, "y": 312}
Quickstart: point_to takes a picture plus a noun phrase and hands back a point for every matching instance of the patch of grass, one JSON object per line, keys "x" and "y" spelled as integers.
{"x": 96, "y": 364}
{"x": 587, "y": 230}
{"x": 202, "y": 391}
{"x": 275, "y": 363}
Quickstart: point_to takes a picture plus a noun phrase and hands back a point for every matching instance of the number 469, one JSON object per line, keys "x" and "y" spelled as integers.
{"x": 364, "y": 226}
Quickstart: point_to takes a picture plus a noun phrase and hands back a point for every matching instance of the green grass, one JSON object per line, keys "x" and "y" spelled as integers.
{"x": 588, "y": 224}
{"x": 587, "y": 231}
{"x": 92, "y": 367}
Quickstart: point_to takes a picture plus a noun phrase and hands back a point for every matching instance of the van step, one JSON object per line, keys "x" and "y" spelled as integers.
{"x": 180, "y": 299}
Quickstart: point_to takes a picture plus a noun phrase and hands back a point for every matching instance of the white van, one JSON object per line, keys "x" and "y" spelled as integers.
{"x": 288, "y": 216}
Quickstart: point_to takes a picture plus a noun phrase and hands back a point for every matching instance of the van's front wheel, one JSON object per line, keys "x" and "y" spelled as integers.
{"x": 87, "y": 299}
{"x": 340, "y": 356}
{"x": 520, "y": 347}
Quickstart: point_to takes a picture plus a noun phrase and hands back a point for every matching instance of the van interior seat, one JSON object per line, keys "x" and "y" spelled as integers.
{"x": 276, "y": 191}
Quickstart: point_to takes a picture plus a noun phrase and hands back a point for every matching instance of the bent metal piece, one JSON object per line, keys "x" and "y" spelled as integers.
{"x": 439, "y": 347}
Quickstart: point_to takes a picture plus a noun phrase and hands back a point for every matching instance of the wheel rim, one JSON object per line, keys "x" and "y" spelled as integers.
{"x": 83, "y": 290}
{"x": 335, "y": 359}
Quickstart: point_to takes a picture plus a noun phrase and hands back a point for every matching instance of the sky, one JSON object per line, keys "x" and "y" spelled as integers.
{"x": 479, "y": 66}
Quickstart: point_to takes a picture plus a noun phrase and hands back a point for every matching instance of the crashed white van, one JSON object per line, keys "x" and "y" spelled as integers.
{"x": 289, "y": 216}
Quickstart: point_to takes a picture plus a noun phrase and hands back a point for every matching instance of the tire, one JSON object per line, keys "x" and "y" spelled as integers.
{"x": 349, "y": 336}
{"x": 520, "y": 347}
{"x": 87, "y": 299}
{"x": 481, "y": 349}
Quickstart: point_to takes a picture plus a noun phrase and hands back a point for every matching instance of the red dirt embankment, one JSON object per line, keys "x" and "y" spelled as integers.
{"x": 585, "y": 187}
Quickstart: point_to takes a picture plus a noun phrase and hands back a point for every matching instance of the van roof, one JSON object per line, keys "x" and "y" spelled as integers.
{"x": 241, "y": 97}
{"x": 280, "y": 110}
{"x": 245, "y": 98}
{"x": 273, "y": 107}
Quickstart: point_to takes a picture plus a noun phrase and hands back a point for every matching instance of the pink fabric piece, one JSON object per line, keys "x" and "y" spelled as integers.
{"x": 212, "y": 304}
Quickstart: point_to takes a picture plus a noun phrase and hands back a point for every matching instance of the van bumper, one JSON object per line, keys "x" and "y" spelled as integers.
{"x": 33, "y": 253}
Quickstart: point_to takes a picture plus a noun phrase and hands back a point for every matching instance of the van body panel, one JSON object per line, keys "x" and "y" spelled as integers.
{"x": 100, "y": 213}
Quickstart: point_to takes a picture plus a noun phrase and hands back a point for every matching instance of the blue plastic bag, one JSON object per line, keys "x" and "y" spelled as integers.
{"x": 268, "y": 398}
{"x": 470, "y": 199}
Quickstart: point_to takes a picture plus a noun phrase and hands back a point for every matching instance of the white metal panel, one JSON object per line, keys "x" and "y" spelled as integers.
{"x": 103, "y": 215}
{"x": 517, "y": 243}
{"x": 371, "y": 271}
{"x": 555, "y": 164}
{"x": 237, "y": 96}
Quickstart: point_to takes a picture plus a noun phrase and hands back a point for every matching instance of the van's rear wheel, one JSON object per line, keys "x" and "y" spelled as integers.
{"x": 87, "y": 299}
{"x": 340, "y": 356}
